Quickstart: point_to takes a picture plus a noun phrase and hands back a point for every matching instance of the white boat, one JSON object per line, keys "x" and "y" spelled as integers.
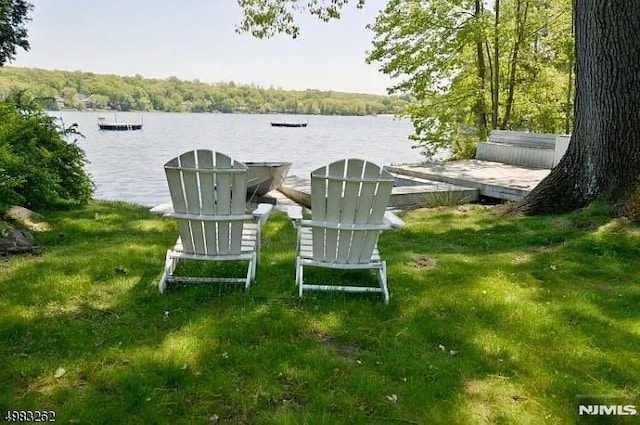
{"x": 263, "y": 177}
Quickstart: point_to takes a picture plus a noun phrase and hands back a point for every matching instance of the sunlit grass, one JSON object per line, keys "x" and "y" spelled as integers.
{"x": 493, "y": 319}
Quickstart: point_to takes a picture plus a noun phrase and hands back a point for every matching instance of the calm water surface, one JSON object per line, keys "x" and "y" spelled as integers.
{"x": 128, "y": 165}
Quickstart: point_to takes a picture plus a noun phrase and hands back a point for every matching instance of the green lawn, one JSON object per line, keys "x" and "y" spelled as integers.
{"x": 492, "y": 319}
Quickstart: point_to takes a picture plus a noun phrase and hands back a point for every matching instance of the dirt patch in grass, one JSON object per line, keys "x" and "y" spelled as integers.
{"x": 346, "y": 350}
{"x": 240, "y": 417}
{"x": 294, "y": 390}
{"x": 424, "y": 262}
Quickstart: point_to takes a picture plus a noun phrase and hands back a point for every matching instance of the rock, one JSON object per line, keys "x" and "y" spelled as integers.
{"x": 18, "y": 241}
{"x": 26, "y": 218}
{"x": 20, "y": 214}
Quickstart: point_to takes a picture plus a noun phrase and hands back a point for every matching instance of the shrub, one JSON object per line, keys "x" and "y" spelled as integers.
{"x": 39, "y": 168}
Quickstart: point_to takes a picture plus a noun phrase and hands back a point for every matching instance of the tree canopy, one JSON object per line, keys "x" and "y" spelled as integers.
{"x": 470, "y": 69}
{"x": 467, "y": 67}
{"x": 13, "y": 33}
{"x": 265, "y": 18}
{"x": 603, "y": 158}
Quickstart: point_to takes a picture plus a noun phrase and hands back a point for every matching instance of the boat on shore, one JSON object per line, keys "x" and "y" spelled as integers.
{"x": 263, "y": 177}
{"x": 103, "y": 124}
{"x": 288, "y": 124}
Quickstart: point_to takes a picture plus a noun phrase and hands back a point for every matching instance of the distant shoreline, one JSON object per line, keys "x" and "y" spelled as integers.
{"x": 113, "y": 111}
{"x": 64, "y": 90}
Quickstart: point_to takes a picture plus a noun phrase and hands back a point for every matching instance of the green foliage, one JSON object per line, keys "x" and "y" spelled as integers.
{"x": 38, "y": 167}
{"x": 442, "y": 53}
{"x": 80, "y": 90}
{"x": 5, "y": 229}
{"x": 13, "y": 17}
{"x": 266, "y": 18}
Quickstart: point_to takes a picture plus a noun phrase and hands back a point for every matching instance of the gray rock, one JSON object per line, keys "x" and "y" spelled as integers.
{"x": 18, "y": 241}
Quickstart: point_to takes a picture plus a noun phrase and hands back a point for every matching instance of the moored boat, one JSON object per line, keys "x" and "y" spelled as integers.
{"x": 263, "y": 177}
{"x": 117, "y": 126}
{"x": 289, "y": 124}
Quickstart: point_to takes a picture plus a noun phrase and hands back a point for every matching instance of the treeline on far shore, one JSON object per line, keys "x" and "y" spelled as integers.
{"x": 86, "y": 90}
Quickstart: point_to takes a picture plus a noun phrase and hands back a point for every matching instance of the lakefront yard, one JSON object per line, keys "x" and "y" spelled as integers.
{"x": 493, "y": 319}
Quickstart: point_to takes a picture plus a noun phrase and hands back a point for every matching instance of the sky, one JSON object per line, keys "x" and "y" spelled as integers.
{"x": 196, "y": 39}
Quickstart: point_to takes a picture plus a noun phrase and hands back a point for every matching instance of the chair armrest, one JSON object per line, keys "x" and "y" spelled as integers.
{"x": 162, "y": 209}
{"x": 262, "y": 212}
{"x": 295, "y": 214}
{"x": 393, "y": 220}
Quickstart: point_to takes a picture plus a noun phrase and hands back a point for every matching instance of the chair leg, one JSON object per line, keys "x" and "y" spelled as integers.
{"x": 382, "y": 279}
{"x": 299, "y": 277}
{"x": 247, "y": 282}
{"x": 259, "y": 237}
{"x": 163, "y": 282}
{"x": 254, "y": 262}
{"x": 169, "y": 266}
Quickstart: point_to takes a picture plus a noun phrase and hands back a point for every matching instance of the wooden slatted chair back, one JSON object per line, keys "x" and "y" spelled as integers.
{"x": 348, "y": 202}
{"x": 208, "y": 191}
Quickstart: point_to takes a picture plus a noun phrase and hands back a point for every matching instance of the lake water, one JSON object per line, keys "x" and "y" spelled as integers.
{"x": 128, "y": 165}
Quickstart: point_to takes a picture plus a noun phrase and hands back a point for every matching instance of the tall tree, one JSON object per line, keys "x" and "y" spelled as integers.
{"x": 603, "y": 158}
{"x": 434, "y": 51}
{"x": 495, "y": 72}
{"x": 13, "y": 33}
{"x": 446, "y": 52}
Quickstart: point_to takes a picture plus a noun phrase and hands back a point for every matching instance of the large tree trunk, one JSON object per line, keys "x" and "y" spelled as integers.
{"x": 603, "y": 158}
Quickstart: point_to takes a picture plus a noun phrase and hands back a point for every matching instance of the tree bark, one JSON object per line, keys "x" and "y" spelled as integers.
{"x": 491, "y": 87}
{"x": 568, "y": 111}
{"x": 521, "y": 22}
{"x": 603, "y": 158}
{"x": 481, "y": 107}
{"x": 495, "y": 90}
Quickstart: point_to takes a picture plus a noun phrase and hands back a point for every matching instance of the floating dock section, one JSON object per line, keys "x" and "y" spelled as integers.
{"x": 492, "y": 179}
{"x": 449, "y": 183}
{"x": 409, "y": 192}
{"x": 508, "y": 166}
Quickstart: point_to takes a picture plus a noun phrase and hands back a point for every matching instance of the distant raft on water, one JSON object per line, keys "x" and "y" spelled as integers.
{"x": 289, "y": 124}
{"x": 103, "y": 124}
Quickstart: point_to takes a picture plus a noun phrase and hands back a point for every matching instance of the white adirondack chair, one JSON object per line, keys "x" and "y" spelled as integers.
{"x": 348, "y": 213}
{"x": 208, "y": 192}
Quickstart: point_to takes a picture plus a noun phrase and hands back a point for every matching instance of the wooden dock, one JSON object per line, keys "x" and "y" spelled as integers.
{"x": 410, "y": 192}
{"x": 508, "y": 166}
{"x": 442, "y": 184}
{"x": 493, "y": 179}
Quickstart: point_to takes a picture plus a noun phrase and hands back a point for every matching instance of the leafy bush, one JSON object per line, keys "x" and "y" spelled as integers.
{"x": 39, "y": 168}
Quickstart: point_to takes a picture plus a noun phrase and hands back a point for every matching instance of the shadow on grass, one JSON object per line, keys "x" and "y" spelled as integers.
{"x": 491, "y": 333}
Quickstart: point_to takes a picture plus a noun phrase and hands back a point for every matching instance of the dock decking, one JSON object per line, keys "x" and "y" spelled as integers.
{"x": 493, "y": 179}
{"x": 443, "y": 184}
{"x": 410, "y": 192}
